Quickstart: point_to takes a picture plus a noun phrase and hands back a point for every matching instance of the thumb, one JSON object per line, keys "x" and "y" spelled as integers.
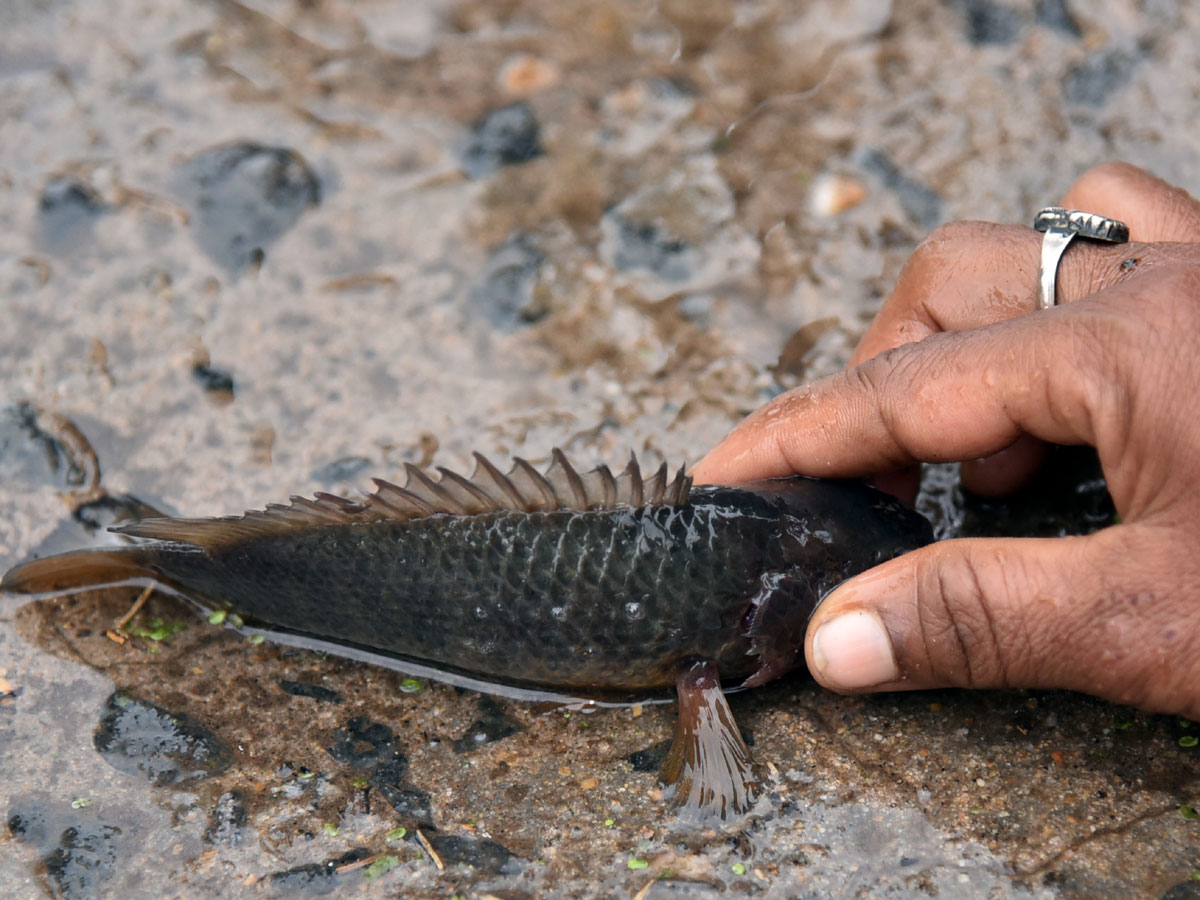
{"x": 1023, "y": 612}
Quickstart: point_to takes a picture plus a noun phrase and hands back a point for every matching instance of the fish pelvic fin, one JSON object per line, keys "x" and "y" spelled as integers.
{"x": 523, "y": 489}
{"x": 709, "y": 772}
{"x": 77, "y": 569}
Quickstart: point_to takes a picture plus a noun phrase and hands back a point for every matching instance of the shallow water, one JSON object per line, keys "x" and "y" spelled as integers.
{"x": 256, "y": 249}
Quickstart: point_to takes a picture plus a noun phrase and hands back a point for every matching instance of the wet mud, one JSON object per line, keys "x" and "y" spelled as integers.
{"x": 251, "y": 249}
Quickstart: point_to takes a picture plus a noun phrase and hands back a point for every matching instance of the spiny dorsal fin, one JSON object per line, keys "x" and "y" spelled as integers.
{"x": 522, "y": 489}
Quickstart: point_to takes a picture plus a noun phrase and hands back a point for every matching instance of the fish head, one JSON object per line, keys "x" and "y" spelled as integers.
{"x": 827, "y": 531}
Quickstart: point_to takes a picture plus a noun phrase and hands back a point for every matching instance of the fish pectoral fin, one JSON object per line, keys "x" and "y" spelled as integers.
{"x": 709, "y": 771}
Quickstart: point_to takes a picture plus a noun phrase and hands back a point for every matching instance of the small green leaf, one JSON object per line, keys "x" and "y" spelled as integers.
{"x": 1189, "y": 740}
{"x": 411, "y": 686}
{"x": 256, "y": 639}
{"x": 157, "y": 631}
{"x": 359, "y": 782}
{"x": 81, "y": 802}
{"x": 396, "y": 834}
{"x": 1122, "y": 723}
{"x": 236, "y": 621}
{"x": 635, "y": 863}
{"x": 1189, "y": 812}
{"x": 608, "y": 823}
{"x": 218, "y": 617}
{"x": 330, "y": 829}
{"x": 739, "y": 868}
{"x": 382, "y": 866}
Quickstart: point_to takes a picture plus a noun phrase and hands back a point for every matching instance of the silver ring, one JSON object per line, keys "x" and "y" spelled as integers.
{"x": 1061, "y": 226}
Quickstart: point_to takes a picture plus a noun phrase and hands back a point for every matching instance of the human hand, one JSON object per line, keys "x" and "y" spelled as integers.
{"x": 955, "y": 368}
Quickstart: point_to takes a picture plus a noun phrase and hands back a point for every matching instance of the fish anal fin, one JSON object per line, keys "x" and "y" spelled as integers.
{"x": 709, "y": 772}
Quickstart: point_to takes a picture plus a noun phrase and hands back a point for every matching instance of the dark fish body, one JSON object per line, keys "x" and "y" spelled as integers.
{"x": 575, "y": 583}
{"x": 567, "y": 599}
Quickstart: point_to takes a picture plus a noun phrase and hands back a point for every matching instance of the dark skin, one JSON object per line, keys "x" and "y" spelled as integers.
{"x": 961, "y": 365}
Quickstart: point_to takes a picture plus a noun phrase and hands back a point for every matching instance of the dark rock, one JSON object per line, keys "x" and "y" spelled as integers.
{"x": 67, "y": 210}
{"x": 78, "y": 853}
{"x": 314, "y": 691}
{"x": 83, "y": 860}
{"x": 340, "y": 469}
{"x": 27, "y": 826}
{"x": 112, "y": 509}
{"x": 363, "y": 744}
{"x": 212, "y": 380}
{"x": 920, "y": 203}
{"x": 413, "y": 805}
{"x": 366, "y": 745}
{"x": 1185, "y": 890}
{"x": 1054, "y": 14}
{"x": 244, "y": 197}
{"x": 646, "y": 245}
{"x": 492, "y": 725}
{"x": 1097, "y": 77}
{"x": 167, "y": 748}
{"x": 457, "y": 849}
{"x": 503, "y": 137}
{"x": 649, "y": 759}
{"x": 228, "y": 818}
{"x": 990, "y": 22}
{"x": 316, "y": 878}
{"x": 505, "y": 292}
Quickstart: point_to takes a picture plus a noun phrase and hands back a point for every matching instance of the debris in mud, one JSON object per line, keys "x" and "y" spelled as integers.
{"x": 493, "y": 724}
{"x": 313, "y": 691}
{"x": 648, "y": 246}
{"x": 503, "y": 137}
{"x": 990, "y": 21}
{"x": 919, "y": 202}
{"x": 243, "y": 197}
{"x": 369, "y": 746}
{"x": 214, "y": 381}
{"x": 67, "y": 209}
{"x": 112, "y": 509}
{"x": 41, "y": 447}
{"x": 1055, "y": 14}
{"x": 79, "y": 854}
{"x": 794, "y": 360}
{"x": 507, "y": 289}
{"x": 478, "y": 853}
{"x": 318, "y": 878}
{"x": 340, "y": 470}
{"x": 1098, "y": 77}
{"x": 228, "y": 820}
{"x": 167, "y": 748}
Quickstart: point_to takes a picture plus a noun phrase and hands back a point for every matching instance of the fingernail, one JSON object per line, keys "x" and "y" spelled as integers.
{"x": 853, "y": 651}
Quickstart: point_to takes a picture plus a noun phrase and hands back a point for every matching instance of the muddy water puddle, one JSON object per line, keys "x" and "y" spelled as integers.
{"x": 251, "y": 249}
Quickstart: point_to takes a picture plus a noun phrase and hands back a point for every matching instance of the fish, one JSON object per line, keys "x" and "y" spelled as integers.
{"x": 581, "y": 583}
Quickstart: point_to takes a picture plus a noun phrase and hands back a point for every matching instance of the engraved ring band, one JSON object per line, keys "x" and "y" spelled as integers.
{"x": 1060, "y": 227}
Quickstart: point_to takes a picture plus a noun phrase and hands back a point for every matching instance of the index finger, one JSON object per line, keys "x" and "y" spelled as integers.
{"x": 953, "y": 396}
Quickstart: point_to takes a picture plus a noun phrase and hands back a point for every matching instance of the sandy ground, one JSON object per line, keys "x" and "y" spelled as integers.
{"x": 249, "y": 250}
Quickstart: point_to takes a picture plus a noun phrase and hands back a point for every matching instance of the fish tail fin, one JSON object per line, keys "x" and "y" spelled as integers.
{"x": 77, "y": 569}
{"x": 709, "y": 771}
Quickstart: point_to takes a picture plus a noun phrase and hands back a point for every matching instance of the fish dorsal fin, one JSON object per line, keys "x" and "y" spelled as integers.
{"x": 523, "y": 489}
